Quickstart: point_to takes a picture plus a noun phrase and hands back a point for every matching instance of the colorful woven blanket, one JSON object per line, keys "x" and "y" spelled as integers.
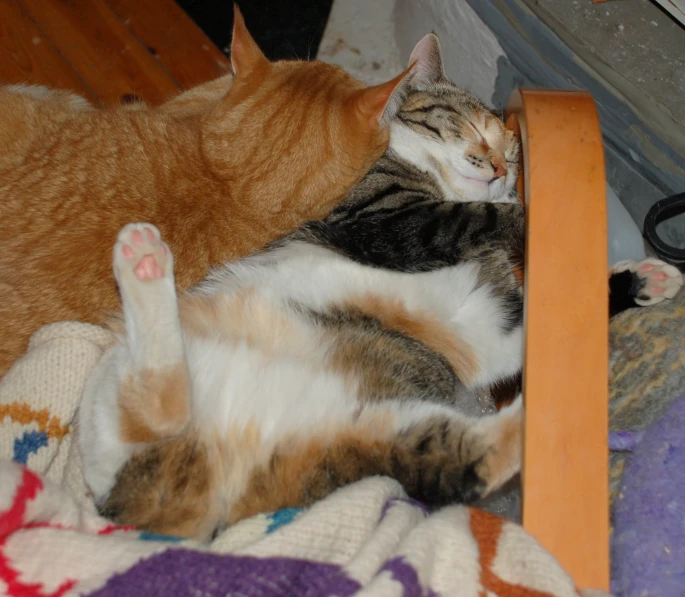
{"x": 365, "y": 539}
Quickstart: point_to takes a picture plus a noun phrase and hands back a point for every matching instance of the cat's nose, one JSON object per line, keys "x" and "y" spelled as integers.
{"x": 499, "y": 170}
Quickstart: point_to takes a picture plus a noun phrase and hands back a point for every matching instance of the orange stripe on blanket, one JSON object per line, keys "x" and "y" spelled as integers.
{"x": 24, "y": 414}
{"x": 487, "y": 529}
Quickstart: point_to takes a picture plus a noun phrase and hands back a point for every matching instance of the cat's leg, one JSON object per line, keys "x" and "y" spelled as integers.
{"x": 439, "y": 456}
{"x": 154, "y": 390}
{"x": 139, "y": 392}
{"x": 446, "y": 457}
{"x": 641, "y": 284}
{"x": 145, "y": 467}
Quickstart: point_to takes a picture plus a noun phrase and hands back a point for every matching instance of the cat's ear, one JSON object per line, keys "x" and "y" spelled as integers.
{"x": 245, "y": 53}
{"x": 427, "y": 58}
{"x": 381, "y": 102}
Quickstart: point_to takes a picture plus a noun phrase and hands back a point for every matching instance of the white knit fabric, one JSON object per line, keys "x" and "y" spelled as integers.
{"x": 383, "y": 543}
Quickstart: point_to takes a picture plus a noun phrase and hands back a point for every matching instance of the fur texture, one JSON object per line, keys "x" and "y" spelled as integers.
{"x": 298, "y": 370}
{"x": 338, "y": 353}
{"x": 445, "y": 191}
{"x": 222, "y": 170}
{"x": 253, "y": 397}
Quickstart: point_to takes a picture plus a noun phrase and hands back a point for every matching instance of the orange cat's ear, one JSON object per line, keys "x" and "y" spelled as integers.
{"x": 245, "y": 53}
{"x": 381, "y": 101}
{"x": 427, "y": 56}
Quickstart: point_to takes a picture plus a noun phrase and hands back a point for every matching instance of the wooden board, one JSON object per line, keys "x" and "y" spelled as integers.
{"x": 99, "y": 46}
{"x": 565, "y": 463}
{"x": 28, "y": 56}
{"x": 173, "y": 39}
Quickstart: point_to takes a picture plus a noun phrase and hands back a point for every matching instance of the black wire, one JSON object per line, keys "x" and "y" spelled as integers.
{"x": 665, "y": 209}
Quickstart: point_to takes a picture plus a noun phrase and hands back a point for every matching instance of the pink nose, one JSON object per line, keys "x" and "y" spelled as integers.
{"x": 500, "y": 170}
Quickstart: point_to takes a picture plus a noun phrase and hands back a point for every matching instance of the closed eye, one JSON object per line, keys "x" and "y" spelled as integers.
{"x": 475, "y": 130}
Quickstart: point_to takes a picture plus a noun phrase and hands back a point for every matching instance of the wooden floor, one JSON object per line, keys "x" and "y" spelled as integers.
{"x": 106, "y": 50}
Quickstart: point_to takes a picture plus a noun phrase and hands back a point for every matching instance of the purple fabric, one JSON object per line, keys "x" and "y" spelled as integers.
{"x": 416, "y": 504}
{"x": 405, "y": 574}
{"x": 181, "y": 572}
{"x": 624, "y": 441}
{"x": 648, "y": 547}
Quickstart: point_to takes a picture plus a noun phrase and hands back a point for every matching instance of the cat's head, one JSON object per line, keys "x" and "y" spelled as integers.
{"x": 303, "y": 132}
{"x": 445, "y": 130}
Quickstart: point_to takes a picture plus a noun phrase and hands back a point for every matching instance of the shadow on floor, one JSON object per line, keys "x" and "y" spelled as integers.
{"x": 282, "y": 28}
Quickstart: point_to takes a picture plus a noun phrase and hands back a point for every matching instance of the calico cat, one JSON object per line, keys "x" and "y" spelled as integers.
{"x": 291, "y": 373}
{"x": 222, "y": 170}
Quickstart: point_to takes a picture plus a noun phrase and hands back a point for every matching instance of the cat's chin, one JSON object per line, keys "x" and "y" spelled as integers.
{"x": 499, "y": 191}
{"x": 467, "y": 188}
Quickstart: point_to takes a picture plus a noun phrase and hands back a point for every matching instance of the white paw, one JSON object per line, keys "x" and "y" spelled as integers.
{"x": 140, "y": 252}
{"x": 660, "y": 280}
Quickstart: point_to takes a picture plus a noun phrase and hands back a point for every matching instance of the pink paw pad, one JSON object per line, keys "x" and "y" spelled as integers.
{"x": 141, "y": 252}
{"x": 661, "y": 280}
{"x": 148, "y": 269}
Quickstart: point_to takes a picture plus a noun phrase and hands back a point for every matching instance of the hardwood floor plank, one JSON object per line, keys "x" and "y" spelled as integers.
{"x": 174, "y": 39}
{"x": 27, "y": 55}
{"x": 102, "y": 50}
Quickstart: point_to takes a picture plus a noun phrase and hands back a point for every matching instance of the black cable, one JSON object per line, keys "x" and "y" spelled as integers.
{"x": 665, "y": 209}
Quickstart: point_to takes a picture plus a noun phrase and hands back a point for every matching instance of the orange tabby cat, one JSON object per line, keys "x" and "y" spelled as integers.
{"x": 282, "y": 146}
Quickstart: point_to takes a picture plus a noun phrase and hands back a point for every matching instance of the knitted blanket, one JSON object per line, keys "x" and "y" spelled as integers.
{"x": 365, "y": 539}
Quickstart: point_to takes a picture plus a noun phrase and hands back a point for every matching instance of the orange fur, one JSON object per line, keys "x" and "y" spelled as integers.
{"x": 243, "y": 317}
{"x": 503, "y": 460}
{"x": 155, "y": 403}
{"x": 171, "y": 487}
{"x": 221, "y": 171}
{"x": 425, "y": 329}
{"x": 296, "y": 475}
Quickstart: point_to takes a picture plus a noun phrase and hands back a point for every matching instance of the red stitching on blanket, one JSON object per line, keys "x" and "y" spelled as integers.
{"x": 47, "y": 525}
{"x": 111, "y": 528}
{"x": 11, "y": 520}
{"x": 108, "y": 530}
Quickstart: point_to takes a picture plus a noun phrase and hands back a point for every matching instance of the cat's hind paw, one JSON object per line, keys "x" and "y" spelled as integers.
{"x": 654, "y": 280}
{"x": 501, "y": 445}
{"x": 140, "y": 252}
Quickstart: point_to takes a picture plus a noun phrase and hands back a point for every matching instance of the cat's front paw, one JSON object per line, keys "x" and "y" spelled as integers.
{"x": 653, "y": 280}
{"x": 139, "y": 252}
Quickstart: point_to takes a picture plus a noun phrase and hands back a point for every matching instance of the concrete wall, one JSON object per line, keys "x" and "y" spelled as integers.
{"x": 471, "y": 51}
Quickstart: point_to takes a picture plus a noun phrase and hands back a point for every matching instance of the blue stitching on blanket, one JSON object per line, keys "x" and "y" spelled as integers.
{"x": 148, "y": 536}
{"x": 281, "y": 518}
{"x": 28, "y": 444}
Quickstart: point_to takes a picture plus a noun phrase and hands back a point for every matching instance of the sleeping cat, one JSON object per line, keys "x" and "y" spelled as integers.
{"x": 280, "y": 145}
{"x": 296, "y": 371}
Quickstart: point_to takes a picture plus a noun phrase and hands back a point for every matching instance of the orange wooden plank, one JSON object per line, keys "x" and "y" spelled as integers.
{"x": 28, "y": 56}
{"x": 565, "y": 464}
{"x": 187, "y": 54}
{"x": 107, "y": 56}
